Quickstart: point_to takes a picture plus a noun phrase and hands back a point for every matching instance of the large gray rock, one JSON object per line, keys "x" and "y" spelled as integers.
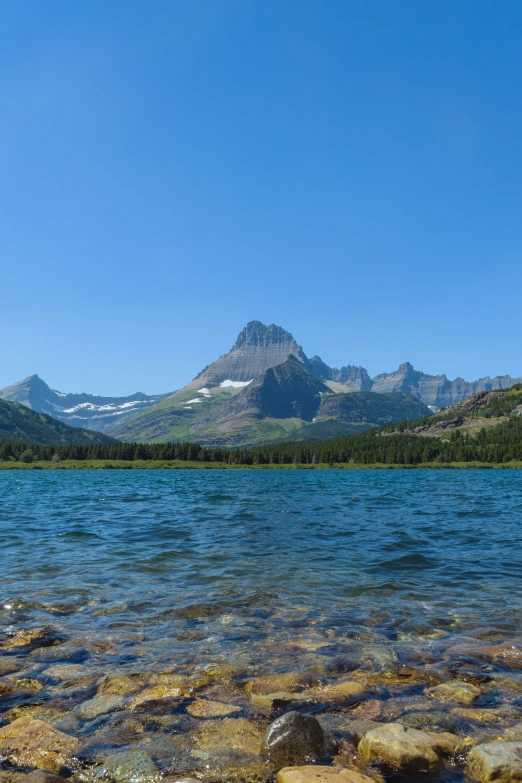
{"x": 496, "y": 761}
{"x": 407, "y": 749}
{"x": 293, "y": 739}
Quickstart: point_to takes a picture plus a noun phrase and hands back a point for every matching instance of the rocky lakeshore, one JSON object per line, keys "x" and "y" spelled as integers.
{"x": 246, "y": 627}
{"x": 329, "y": 710}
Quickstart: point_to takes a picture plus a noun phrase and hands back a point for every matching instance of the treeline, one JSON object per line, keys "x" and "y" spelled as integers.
{"x": 500, "y": 443}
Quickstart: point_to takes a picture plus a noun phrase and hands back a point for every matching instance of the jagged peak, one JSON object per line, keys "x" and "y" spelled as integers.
{"x": 257, "y": 333}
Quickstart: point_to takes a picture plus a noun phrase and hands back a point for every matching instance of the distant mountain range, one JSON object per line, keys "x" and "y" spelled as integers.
{"x": 78, "y": 410}
{"x": 264, "y": 389}
{"x": 18, "y": 422}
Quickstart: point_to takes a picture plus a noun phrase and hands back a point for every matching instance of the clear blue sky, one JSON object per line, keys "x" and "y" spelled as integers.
{"x": 172, "y": 169}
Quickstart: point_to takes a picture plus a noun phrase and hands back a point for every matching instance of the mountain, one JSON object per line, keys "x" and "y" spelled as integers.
{"x": 477, "y": 412}
{"x": 437, "y": 390}
{"x": 78, "y": 410}
{"x": 18, "y": 422}
{"x": 269, "y": 406}
{"x": 257, "y": 348}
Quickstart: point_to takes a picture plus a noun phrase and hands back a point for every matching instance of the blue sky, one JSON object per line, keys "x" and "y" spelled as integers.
{"x": 170, "y": 170}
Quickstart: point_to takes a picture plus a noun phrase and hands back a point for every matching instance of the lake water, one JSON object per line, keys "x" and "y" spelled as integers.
{"x": 223, "y": 576}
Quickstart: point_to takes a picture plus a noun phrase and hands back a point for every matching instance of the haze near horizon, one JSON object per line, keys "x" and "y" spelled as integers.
{"x": 348, "y": 171}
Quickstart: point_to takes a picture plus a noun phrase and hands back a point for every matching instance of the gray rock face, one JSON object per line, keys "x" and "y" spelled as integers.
{"x": 436, "y": 390}
{"x": 78, "y": 410}
{"x": 355, "y": 378}
{"x": 293, "y": 739}
{"x": 257, "y": 348}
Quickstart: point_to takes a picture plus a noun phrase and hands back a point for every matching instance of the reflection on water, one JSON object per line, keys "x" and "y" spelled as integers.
{"x": 197, "y": 582}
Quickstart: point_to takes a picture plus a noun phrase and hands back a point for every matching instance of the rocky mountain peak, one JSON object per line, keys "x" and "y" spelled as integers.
{"x": 256, "y": 334}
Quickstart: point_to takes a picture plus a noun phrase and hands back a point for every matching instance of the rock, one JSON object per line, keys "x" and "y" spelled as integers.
{"x": 463, "y": 692}
{"x": 231, "y": 742}
{"x": 496, "y": 761}
{"x": 99, "y": 705}
{"x": 38, "y": 637}
{"x": 9, "y": 666}
{"x": 338, "y": 691}
{"x": 274, "y": 701}
{"x": 65, "y": 671}
{"x": 406, "y": 749}
{"x": 318, "y": 774}
{"x": 500, "y": 717}
{"x": 403, "y": 675}
{"x": 33, "y": 743}
{"x": 202, "y": 708}
{"x": 293, "y": 739}
{"x": 273, "y": 683}
{"x": 41, "y": 776}
{"x": 28, "y": 685}
{"x": 507, "y": 654}
{"x": 122, "y": 684}
{"x": 6, "y": 689}
{"x": 132, "y": 765}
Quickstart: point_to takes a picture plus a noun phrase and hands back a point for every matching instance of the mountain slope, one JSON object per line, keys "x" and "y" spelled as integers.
{"x": 478, "y": 412}
{"x": 78, "y": 410}
{"x": 17, "y": 422}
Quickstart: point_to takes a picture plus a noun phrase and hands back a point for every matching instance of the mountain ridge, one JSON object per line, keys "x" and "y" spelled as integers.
{"x": 258, "y": 348}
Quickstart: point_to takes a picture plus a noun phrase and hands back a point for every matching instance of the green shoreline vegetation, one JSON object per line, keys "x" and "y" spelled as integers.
{"x": 191, "y": 465}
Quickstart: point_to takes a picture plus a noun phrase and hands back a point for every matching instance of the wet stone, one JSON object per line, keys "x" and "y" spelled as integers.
{"x": 202, "y": 708}
{"x": 461, "y": 692}
{"x": 133, "y": 765}
{"x": 293, "y": 739}
{"x": 496, "y": 761}
{"x": 406, "y": 749}
{"x": 319, "y": 774}
{"x": 99, "y": 705}
{"x": 9, "y": 666}
{"x": 33, "y": 743}
{"x": 272, "y": 683}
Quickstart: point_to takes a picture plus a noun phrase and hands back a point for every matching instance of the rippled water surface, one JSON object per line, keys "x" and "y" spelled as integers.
{"x": 332, "y": 574}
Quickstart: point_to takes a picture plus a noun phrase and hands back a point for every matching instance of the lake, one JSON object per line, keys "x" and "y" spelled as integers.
{"x": 223, "y": 586}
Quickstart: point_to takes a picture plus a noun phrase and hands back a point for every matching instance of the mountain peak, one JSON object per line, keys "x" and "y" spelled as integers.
{"x": 257, "y": 334}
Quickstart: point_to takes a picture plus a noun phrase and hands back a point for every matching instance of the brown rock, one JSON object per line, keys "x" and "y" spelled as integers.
{"x": 406, "y": 749}
{"x": 272, "y": 683}
{"x": 202, "y": 708}
{"x": 33, "y": 743}
{"x": 318, "y": 774}
{"x": 463, "y": 692}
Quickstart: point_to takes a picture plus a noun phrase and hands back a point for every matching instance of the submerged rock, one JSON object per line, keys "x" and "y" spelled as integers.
{"x": 132, "y": 765}
{"x": 202, "y": 708}
{"x": 496, "y": 761}
{"x": 462, "y": 692}
{"x": 289, "y": 682}
{"x": 406, "y": 749}
{"x": 99, "y": 705}
{"x": 293, "y": 739}
{"x": 318, "y": 774}
{"x": 33, "y": 743}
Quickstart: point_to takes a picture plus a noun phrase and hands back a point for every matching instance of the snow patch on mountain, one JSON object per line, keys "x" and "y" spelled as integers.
{"x": 235, "y": 384}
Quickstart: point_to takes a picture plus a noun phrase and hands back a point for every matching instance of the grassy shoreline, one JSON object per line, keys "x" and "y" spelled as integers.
{"x": 107, "y": 464}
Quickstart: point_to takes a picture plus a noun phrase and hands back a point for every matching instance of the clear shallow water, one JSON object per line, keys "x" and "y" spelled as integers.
{"x": 322, "y": 572}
